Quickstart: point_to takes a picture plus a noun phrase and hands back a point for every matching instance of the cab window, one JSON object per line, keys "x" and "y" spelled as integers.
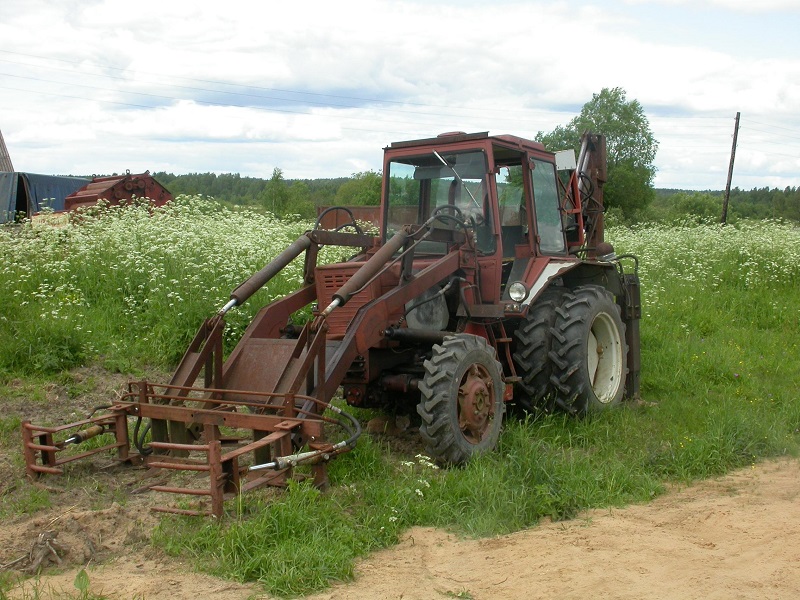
{"x": 420, "y": 184}
{"x": 546, "y": 203}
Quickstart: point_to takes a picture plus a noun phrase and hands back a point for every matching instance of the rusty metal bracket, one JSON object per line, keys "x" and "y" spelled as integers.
{"x": 43, "y": 454}
{"x": 270, "y": 420}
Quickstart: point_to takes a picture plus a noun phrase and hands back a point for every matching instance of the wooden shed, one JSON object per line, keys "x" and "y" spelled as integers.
{"x": 117, "y": 188}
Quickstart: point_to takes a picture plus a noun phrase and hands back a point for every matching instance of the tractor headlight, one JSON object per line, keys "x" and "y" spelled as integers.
{"x": 518, "y": 291}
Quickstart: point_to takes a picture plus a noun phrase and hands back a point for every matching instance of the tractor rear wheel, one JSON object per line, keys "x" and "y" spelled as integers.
{"x": 589, "y": 352}
{"x": 532, "y": 355}
{"x": 461, "y": 399}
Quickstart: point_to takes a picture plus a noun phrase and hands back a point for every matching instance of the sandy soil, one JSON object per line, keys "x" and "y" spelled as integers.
{"x": 733, "y": 537}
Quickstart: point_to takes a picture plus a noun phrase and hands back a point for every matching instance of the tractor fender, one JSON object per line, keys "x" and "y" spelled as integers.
{"x": 540, "y": 273}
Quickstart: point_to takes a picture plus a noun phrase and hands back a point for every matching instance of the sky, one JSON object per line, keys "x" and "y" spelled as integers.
{"x": 318, "y": 89}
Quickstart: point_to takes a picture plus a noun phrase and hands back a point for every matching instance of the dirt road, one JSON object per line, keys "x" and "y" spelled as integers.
{"x": 733, "y": 537}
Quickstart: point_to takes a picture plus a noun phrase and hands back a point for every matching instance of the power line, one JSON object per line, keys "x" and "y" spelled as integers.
{"x": 794, "y": 130}
{"x": 81, "y": 63}
{"x": 792, "y": 137}
{"x": 675, "y": 132}
{"x": 4, "y": 87}
{"x": 145, "y": 106}
{"x": 229, "y": 93}
{"x": 173, "y": 98}
{"x": 693, "y": 147}
{"x": 794, "y": 156}
{"x": 674, "y": 116}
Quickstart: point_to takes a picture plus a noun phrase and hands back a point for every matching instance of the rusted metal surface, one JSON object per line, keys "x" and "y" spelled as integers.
{"x": 329, "y": 280}
{"x": 43, "y": 448}
{"x": 592, "y": 199}
{"x": 583, "y": 196}
{"x": 370, "y": 215}
{"x": 269, "y": 420}
{"x": 370, "y": 269}
{"x": 262, "y": 426}
{"x": 258, "y": 280}
{"x": 475, "y": 403}
{"x": 631, "y": 314}
{"x": 119, "y": 188}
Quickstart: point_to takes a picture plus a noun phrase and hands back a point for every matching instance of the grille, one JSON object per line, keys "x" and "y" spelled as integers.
{"x": 329, "y": 280}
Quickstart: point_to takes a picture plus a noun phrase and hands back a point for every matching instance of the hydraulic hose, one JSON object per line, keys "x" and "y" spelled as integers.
{"x": 138, "y": 440}
{"x": 291, "y": 460}
{"x": 349, "y": 212}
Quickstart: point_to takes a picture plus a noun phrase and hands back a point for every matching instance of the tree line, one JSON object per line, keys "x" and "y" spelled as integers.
{"x": 629, "y": 193}
{"x": 277, "y": 194}
{"x": 301, "y": 197}
{"x": 706, "y": 206}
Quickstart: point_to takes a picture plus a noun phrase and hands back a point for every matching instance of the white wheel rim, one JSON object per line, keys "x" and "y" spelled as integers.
{"x": 592, "y": 356}
{"x": 604, "y": 358}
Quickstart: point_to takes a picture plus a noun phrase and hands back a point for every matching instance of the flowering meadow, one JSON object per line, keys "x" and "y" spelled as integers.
{"x": 131, "y": 285}
{"x": 128, "y": 287}
{"x": 720, "y": 303}
{"x": 720, "y": 361}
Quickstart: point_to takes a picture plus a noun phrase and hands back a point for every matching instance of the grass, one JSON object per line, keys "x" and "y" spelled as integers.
{"x": 719, "y": 356}
{"x": 36, "y": 591}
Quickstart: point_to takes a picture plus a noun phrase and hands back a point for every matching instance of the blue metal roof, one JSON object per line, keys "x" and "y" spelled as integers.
{"x": 30, "y": 193}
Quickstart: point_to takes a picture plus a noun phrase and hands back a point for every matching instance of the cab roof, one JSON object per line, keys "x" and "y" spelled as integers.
{"x": 460, "y": 136}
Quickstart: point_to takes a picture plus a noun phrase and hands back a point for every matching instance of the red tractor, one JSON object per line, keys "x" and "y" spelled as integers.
{"x": 489, "y": 282}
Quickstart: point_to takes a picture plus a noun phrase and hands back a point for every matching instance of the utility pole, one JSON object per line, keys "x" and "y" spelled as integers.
{"x": 730, "y": 172}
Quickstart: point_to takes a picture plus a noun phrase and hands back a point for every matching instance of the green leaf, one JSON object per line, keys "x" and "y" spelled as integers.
{"x": 81, "y": 582}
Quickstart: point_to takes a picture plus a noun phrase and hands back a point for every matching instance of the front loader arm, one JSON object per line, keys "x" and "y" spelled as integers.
{"x": 370, "y": 322}
{"x": 271, "y": 318}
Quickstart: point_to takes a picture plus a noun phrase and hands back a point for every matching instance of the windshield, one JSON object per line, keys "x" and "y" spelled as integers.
{"x": 420, "y": 184}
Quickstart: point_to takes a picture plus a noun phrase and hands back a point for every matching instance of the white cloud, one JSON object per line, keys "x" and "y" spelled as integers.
{"x": 745, "y": 6}
{"x": 319, "y": 88}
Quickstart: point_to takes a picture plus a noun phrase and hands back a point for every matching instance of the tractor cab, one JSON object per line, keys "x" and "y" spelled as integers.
{"x": 504, "y": 186}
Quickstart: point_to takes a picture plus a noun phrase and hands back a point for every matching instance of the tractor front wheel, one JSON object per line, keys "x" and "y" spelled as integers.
{"x": 461, "y": 399}
{"x": 589, "y": 353}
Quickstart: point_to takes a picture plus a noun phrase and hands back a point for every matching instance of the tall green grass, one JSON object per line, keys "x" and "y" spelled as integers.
{"x": 719, "y": 381}
{"x": 132, "y": 284}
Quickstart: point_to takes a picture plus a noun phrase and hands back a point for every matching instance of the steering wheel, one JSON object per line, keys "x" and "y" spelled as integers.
{"x": 444, "y": 207}
{"x": 352, "y": 222}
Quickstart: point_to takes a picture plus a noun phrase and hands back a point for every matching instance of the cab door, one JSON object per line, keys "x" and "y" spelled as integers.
{"x": 548, "y": 224}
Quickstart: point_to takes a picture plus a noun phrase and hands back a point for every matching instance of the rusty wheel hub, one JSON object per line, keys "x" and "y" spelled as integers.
{"x": 475, "y": 403}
